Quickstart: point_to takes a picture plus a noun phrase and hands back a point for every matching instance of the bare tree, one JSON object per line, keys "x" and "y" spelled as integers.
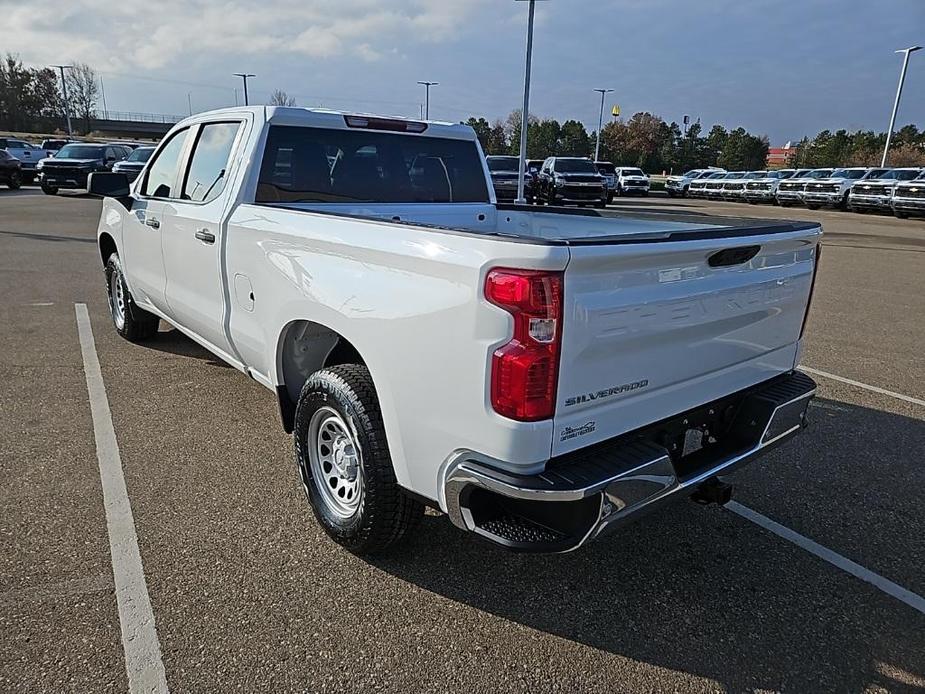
{"x": 281, "y": 98}
{"x": 83, "y": 91}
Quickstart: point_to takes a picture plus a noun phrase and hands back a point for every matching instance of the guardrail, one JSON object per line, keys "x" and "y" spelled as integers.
{"x": 130, "y": 116}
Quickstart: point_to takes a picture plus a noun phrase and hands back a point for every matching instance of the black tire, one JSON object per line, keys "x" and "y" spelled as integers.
{"x": 386, "y": 514}
{"x": 15, "y": 180}
{"x": 686, "y": 192}
{"x": 782, "y": 203}
{"x": 132, "y": 323}
{"x": 812, "y": 207}
{"x": 49, "y": 190}
{"x": 671, "y": 193}
{"x": 900, "y": 214}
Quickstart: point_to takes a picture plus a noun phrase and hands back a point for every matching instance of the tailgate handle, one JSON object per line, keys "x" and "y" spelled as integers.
{"x": 733, "y": 256}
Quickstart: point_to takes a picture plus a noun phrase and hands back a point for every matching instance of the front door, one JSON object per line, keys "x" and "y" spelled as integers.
{"x": 141, "y": 252}
{"x": 193, "y": 245}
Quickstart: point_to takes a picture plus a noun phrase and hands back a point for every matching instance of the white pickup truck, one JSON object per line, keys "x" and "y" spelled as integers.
{"x": 539, "y": 375}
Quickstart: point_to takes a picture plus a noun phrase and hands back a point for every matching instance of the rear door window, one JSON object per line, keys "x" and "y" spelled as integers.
{"x": 205, "y": 179}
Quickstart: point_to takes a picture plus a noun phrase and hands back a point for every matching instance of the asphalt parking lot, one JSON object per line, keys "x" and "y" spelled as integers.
{"x": 249, "y": 595}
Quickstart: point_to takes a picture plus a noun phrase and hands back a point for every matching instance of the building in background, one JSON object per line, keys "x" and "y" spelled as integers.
{"x": 779, "y": 157}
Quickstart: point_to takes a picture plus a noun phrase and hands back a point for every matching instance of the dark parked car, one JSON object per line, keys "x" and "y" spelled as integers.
{"x": 571, "y": 180}
{"x": 135, "y": 162}
{"x": 503, "y": 171}
{"x": 10, "y": 170}
{"x": 75, "y": 162}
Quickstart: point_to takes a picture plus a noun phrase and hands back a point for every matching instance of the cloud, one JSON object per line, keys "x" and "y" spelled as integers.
{"x": 129, "y": 35}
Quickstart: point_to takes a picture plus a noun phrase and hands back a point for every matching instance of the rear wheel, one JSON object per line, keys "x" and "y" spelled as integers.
{"x": 132, "y": 323}
{"x": 344, "y": 462}
{"x": 15, "y": 180}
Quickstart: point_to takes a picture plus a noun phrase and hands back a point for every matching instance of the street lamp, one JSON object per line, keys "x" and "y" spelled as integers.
{"x": 67, "y": 107}
{"x": 427, "y": 86}
{"x": 521, "y": 198}
{"x": 899, "y": 91}
{"x": 600, "y": 124}
{"x": 244, "y": 76}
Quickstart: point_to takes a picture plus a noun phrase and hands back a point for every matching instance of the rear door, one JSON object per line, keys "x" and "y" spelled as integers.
{"x": 652, "y": 329}
{"x": 193, "y": 244}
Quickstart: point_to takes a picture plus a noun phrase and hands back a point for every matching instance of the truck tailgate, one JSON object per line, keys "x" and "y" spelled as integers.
{"x": 652, "y": 328}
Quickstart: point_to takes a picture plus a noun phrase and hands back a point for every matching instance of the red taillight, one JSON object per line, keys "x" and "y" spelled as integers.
{"x": 525, "y": 371}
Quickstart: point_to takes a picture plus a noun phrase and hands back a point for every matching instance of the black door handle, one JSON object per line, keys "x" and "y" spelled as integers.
{"x": 152, "y": 222}
{"x": 205, "y": 236}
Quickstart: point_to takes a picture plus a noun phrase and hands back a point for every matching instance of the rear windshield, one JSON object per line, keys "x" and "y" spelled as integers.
{"x": 303, "y": 164}
{"x": 503, "y": 164}
{"x": 633, "y": 172}
{"x": 819, "y": 173}
{"x": 606, "y": 168}
{"x": 80, "y": 152}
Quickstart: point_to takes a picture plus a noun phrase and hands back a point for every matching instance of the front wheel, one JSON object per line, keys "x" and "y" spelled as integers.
{"x": 344, "y": 462}
{"x": 49, "y": 190}
{"x": 900, "y": 214}
{"x": 15, "y": 180}
{"x": 132, "y": 323}
{"x": 812, "y": 207}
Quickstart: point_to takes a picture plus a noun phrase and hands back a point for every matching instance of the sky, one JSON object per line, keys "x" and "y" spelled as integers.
{"x": 782, "y": 68}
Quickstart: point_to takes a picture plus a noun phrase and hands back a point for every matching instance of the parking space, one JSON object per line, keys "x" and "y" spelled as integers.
{"x": 248, "y": 594}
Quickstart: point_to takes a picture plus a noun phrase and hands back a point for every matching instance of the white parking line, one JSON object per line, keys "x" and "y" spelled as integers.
{"x": 143, "y": 662}
{"x": 865, "y": 386}
{"x": 916, "y": 602}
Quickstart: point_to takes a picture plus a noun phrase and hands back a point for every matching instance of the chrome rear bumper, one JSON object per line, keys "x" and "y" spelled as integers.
{"x": 589, "y": 492}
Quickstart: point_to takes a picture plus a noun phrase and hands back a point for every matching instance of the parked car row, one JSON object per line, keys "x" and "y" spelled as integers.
{"x": 63, "y": 163}
{"x": 565, "y": 180}
{"x": 857, "y": 188}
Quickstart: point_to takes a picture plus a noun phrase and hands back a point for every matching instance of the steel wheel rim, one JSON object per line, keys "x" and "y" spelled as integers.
{"x": 335, "y": 461}
{"x": 117, "y": 299}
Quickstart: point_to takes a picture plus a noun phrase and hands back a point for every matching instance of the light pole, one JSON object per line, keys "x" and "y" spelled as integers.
{"x": 524, "y": 116}
{"x": 67, "y": 107}
{"x": 600, "y": 124}
{"x": 899, "y": 91}
{"x": 244, "y": 76}
{"x": 427, "y": 86}
{"x": 189, "y": 102}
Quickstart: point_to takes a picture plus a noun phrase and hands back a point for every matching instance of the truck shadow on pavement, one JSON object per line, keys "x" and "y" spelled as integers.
{"x": 172, "y": 341}
{"x": 703, "y": 591}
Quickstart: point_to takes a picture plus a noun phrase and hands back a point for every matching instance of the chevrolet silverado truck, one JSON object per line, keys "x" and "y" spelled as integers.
{"x": 790, "y": 192}
{"x": 698, "y": 186}
{"x": 909, "y": 197}
{"x": 678, "y": 186}
{"x": 877, "y": 193}
{"x": 540, "y": 375}
{"x": 834, "y": 190}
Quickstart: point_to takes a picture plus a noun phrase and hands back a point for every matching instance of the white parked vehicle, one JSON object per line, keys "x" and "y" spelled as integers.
{"x": 833, "y": 191}
{"x": 909, "y": 197}
{"x": 698, "y": 186}
{"x": 764, "y": 188}
{"x": 679, "y": 186}
{"x": 540, "y": 375}
{"x": 713, "y": 190}
{"x": 790, "y": 192}
{"x": 632, "y": 181}
{"x": 877, "y": 193}
{"x": 734, "y": 190}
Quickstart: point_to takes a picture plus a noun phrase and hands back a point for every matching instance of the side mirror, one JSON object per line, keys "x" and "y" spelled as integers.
{"x": 108, "y": 185}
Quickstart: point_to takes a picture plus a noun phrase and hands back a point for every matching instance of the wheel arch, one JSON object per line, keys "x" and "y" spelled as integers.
{"x": 304, "y": 347}
{"x": 107, "y": 246}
